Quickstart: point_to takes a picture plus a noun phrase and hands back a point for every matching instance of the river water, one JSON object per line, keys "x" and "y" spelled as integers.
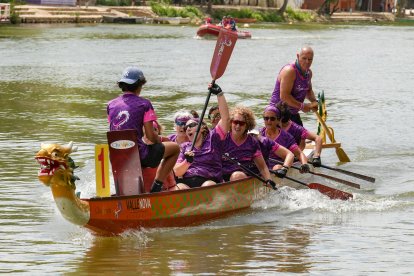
{"x": 54, "y": 85}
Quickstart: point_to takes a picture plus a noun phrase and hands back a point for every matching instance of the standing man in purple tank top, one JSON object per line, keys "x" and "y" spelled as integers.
{"x": 294, "y": 84}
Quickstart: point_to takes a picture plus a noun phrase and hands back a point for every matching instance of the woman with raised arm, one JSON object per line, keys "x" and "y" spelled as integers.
{"x": 201, "y": 165}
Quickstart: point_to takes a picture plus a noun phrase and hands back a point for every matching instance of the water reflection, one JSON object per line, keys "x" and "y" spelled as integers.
{"x": 240, "y": 249}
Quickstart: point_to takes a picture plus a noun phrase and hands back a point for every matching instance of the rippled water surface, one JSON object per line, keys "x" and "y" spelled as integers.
{"x": 54, "y": 85}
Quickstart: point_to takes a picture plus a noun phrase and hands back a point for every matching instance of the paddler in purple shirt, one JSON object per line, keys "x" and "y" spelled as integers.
{"x": 202, "y": 166}
{"x": 245, "y": 148}
{"x": 267, "y": 146}
{"x": 272, "y": 130}
{"x": 294, "y": 84}
{"x": 300, "y": 134}
{"x": 131, "y": 111}
{"x": 180, "y": 119}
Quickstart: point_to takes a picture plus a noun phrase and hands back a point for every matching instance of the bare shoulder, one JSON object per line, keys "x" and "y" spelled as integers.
{"x": 288, "y": 72}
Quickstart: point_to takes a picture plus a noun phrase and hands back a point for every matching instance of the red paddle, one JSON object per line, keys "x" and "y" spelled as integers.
{"x": 224, "y": 47}
{"x": 330, "y": 192}
{"x": 343, "y": 181}
{"x": 222, "y": 53}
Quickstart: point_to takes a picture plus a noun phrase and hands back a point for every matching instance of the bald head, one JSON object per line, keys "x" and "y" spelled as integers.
{"x": 305, "y": 58}
{"x": 306, "y": 50}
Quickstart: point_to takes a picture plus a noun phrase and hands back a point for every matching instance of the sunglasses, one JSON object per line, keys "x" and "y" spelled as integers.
{"x": 237, "y": 122}
{"x": 269, "y": 118}
{"x": 180, "y": 123}
{"x": 216, "y": 116}
{"x": 193, "y": 124}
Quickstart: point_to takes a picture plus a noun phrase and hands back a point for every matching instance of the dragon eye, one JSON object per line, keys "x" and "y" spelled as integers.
{"x": 55, "y": 154}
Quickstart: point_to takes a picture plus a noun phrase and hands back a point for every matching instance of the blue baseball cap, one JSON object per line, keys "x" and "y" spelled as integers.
{"x": 131, "y": 75}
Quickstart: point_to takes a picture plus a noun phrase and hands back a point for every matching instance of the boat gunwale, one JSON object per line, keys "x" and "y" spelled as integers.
{"x": 166, "y": 193}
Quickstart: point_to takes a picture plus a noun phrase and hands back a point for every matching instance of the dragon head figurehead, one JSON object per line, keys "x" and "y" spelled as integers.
{"x": 56, "y": 166}
{"x": 56, "y": 171}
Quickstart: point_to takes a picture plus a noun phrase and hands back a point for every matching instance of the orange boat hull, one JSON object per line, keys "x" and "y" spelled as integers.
{"x": 114, "y": 215}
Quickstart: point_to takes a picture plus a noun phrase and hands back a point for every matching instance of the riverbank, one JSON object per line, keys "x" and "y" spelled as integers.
{"x": 144, "y": 14}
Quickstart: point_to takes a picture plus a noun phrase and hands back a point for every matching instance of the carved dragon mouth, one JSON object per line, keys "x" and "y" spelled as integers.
{"x": 48, "y": 166}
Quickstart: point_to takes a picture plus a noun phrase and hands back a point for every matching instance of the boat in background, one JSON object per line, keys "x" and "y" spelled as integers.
{"x": 213, "y": 30}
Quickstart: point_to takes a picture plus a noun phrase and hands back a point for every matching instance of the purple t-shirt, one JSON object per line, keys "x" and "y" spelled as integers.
{"x": 172, "y": 137}
{"x": 129, "y": 111}
{"x": 207, "y": 159}
{"x": 267, "y": 146}
{"x": 297, "y": 131}
{"x": 244, "y": 153}
{"x": 300, "y": 87}
{"x": 283, "y": 139}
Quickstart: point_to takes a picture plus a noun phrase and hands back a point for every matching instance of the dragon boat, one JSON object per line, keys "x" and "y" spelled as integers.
{"x": 213, "y": 30}
{"x": 131, "y": 208}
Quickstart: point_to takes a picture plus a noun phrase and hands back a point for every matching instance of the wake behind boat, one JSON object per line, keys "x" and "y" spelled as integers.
{"x": 213, "y": 30}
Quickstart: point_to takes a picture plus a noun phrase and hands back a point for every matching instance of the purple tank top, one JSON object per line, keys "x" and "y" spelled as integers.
{"x": 130, "y": 111}
{"x": 244, "y": 153}
{"x": 207, "y": 159}
{"x": 300, "y": 87}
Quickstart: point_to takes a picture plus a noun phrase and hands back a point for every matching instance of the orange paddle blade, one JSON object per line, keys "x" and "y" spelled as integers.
{"x": 224, "y": 47}
{"x": 330, "y": 192}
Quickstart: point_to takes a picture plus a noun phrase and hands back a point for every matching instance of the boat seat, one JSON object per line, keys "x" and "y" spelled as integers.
{"x": 125, "y": 162}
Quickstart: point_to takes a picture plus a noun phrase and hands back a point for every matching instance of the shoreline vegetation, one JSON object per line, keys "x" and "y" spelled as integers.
{"x": 164, "y": 13}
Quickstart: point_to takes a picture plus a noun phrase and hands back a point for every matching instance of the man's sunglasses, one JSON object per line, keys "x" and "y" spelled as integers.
{"x": 193, "y": 124}
{"x": 269, "y": 118}
{"x": 237, "y": 122}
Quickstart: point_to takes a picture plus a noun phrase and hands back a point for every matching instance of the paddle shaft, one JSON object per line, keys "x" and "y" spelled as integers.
{"x": 328, "y": 132}
{"x": 250, "y": 172}
{"x": 201, "y": 118}
{"x": 330, "y": 192}
{"x": 292, "y": 179}
{"x": 357, "y": 175}
{"x": 343, "y": 157}
{"x": 343, "y": 181}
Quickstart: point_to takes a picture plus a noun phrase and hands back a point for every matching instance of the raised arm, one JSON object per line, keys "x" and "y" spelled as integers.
{"x": 224, "y": 122}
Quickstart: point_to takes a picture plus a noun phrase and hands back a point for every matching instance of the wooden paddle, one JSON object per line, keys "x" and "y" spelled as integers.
{"x": 357, "y": 175}
{"x": 330, "y": 192}
{"x": 222, "y": 53}
{"x": 244, "y": 168}
{"x": 342, "y": 156}
{"x": 343, "y": 181}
